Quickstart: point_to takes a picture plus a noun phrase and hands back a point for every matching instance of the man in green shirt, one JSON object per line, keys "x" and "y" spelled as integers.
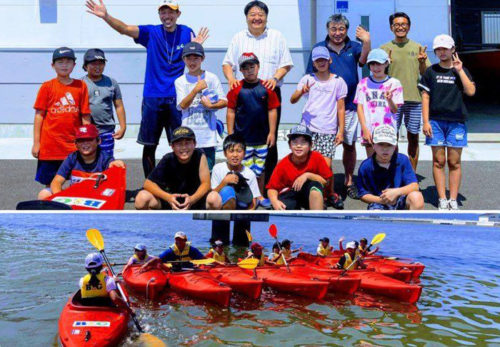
{"x": 408, "y": 61}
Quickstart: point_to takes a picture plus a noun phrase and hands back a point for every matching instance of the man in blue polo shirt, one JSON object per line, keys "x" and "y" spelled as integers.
{"x": 164, "y": 44}
{"x": 386, "y": 180}
{"x": 346, "y": 56}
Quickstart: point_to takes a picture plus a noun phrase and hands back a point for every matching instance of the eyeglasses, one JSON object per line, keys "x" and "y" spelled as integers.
{"x": 400, "y": 25}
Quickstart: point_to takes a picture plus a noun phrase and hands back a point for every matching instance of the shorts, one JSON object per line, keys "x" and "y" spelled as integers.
{"x": 200, "y": 204}
{"x": 227, "y": 193}
{"x": 107, "y": 142}
{"x": 294, "y": 200}
{"x": 158, "y": 114}
{"x": 46, "y": 170}
{"x": 324, "y": 144}
{"x": 447, "y": 134}
{"x": 351, "y": 127}
{"x": 255, "y": 158}
{"x": 210, "y": 154}
{"x": 399, "y": 205}
{"x": 411, "y": 113}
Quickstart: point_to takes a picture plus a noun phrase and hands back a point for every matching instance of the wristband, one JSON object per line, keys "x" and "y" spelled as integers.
{"x": 277, "y": 80}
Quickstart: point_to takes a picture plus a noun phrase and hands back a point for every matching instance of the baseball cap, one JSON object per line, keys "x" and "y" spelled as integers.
{"x": 93, "y": 54}
{"x": 246, "y": 58}
{"x": 443, "y": 41}
{"x": 172, "y": 4}
{"x": 140, "y": 247}
{"x": 180, "y": 235}
{"x": 299, "y": 130}
{"x": 286, "y": 242}
{"x": 182, "y": 132}
{"x": 320, "y": 52}
{"x": 363, "y": 240}
{"x": 377, "y": 55}
{"x": 93, "y": 260}
{"x": 87, "y": 131}
{"x": 219, "y": 243}
{"x": 351, "y": 244}
{"x": 325, "y": 239}
{"x": 385, "y": 133}
{"x": 63, "y": 52}
{"x": 193, "y": 48}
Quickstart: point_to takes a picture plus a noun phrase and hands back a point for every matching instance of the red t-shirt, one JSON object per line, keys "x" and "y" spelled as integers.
{"x": 63, "y": 105}
{"x": 286, "y": 172}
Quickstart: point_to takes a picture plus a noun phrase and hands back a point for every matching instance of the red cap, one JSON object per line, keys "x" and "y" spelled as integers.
{"x": 88, "y": 131}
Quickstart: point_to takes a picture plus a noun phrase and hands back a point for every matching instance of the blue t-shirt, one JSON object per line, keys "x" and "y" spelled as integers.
{"x": 164, "y": 58}
{"x": 344, "y": 64}
{"x": 74, "y": 168}
{"x": 373, "y": 178}
{"x": 169, "y": 255}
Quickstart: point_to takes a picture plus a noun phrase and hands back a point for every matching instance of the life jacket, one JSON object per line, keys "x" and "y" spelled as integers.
{"x": 216, "y": 256}
{"x": 92, "y": 292}
{"x": 323, "y": 251}
{"x": 139, "y": 261}
{"x": 262, "y": 259}
{"x": 361, "y": 251}
{"x": 286, "y": 252}
{"x": 184, "y": 255}
{"x": 280, "y": 259}
{"x": 348, "y": 261}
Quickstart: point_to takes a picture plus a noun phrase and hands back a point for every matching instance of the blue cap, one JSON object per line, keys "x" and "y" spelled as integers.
{"x": 320, "y": 52}
{"x": 63, "y": 52}
{"x": 193, "y": 48}
{"x": 300, "y": 130}
{"x": 377, "y": 55}
{"x": 140, "y": 247}
{"x": 93, "y": 260}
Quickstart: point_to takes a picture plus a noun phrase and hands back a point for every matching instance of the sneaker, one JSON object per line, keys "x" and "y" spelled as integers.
{"x": 335, "y": 201}
{"x": 453, "y": 204}
{"x": 443, "y": 204}
{"x": 264, "y": 203}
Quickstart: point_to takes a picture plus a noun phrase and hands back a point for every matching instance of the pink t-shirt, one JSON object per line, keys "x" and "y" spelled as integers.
{"x": 320, "y": 110}
{"x": 370, "y": 94}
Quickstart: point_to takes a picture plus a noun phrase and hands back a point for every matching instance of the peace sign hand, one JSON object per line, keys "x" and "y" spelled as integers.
{"x": 457, "y": 63}
{"x": 388, "y": 93}
{"x": 307, "y": 87}
{"x": 422, "y": 55}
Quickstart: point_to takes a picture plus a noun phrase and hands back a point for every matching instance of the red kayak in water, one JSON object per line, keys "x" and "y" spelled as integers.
{"x": 336, "y": 283}
{"x": 150, "y": 283}
{"x": 238, "y": 280}
{"x": 200, "y": 285}
{"x": 81, "y": 325}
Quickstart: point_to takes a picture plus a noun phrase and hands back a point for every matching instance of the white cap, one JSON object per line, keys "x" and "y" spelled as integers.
{"x": 385, "y": 133}
{"x": 351, "y": 244}
{"x": 443, "y": 41}
{"x": 172, "y": 4}
{"x": 180, "y": 235}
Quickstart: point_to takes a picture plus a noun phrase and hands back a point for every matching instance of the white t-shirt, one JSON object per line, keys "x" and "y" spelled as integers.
{"x": 221, "y": 170}
{"x": 201, "y": 120}
{"x": 320, "y": 111}
{"x": 370, "y": 94}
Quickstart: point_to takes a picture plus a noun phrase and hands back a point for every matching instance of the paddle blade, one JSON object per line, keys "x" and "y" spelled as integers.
{"x": 273, "y": 231}
{"x": 207, "y": 261}
{"x": 250, "y": 263}
{"x": 249, "y": 236}
{"x": 148, "y": 340}
{"x": 95, "y": 238}
{"x": 378, "y": 238}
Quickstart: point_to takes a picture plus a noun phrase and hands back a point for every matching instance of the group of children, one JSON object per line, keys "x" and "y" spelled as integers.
{"x": 188, "y": 178}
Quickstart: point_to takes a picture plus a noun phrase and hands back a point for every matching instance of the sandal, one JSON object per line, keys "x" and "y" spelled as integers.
{"x": 352, "y": 192}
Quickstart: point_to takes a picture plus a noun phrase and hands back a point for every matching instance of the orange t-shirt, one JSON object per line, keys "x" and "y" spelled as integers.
{"x": 64, "y": 106}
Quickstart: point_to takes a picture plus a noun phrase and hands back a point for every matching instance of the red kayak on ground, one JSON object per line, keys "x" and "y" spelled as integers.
{"x": 238, "y": 280}
{"x": 95, "y": 326}
{"x": 150, "y": 283}
{"x": 100, "y": 191}
{"x": 200, "y": 285}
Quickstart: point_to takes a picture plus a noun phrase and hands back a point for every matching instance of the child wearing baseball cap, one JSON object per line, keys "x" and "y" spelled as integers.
{"x": 86, "y": 161}
{"x": 62, "y": 105}
{"x": 444, "y": 114}
{"x": 104, "y": 94}
{"x": 378, "y": 98}
{"x": 386, "y": 180}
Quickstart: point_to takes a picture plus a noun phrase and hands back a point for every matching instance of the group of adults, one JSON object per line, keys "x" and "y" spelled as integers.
{"x": 164, "y": 44}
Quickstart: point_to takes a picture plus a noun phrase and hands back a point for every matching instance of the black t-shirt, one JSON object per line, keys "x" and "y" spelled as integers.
{"x": 174, "y": 177}
{"x": 446, "y": 93}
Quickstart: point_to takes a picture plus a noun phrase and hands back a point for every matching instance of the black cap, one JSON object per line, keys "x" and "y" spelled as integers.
{"x": 193, "y": 48}
{"x": 63, "y": 52}
{"x": 300, "y": 130}
{"x": 325, "y": 239}
{"x": 93, "y": 54}
{"x": 182, "y": 133}
{"x": 276, "y": 245}
{"x": 286, "y": 242}
{"x": 363, "y": 240}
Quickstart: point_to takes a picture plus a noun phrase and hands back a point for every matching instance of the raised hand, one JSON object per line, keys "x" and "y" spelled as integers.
{"x": 201, "y": 37}
{"x": 307, "y": 87}
{"x": 98, "y": 10}
{"x": 388, "y": 93}
{"x": 456, "y": 62}
{"x": 422, "y": 55}
{"x": 362, "y": 34}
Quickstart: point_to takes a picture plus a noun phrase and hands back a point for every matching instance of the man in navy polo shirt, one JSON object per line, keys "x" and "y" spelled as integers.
{"x": 164, "y": 44}
{"x": 346, "y": 56}
{"x": 386, "y": 180}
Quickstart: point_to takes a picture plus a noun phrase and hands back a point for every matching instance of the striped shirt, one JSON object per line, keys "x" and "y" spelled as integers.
{"x": 270, "y": 47}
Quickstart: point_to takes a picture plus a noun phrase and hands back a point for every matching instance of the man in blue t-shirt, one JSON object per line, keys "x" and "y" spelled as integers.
{"x": 346, "y": 56}
{"x": 386, "y": 180}
{"x": 164, "y": 43}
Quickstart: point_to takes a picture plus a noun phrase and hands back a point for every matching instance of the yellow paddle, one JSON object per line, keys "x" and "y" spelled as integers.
{"x": 96, "y": 239}
{"x": 250, "y": 263}
{"x": 376, "y": 239}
